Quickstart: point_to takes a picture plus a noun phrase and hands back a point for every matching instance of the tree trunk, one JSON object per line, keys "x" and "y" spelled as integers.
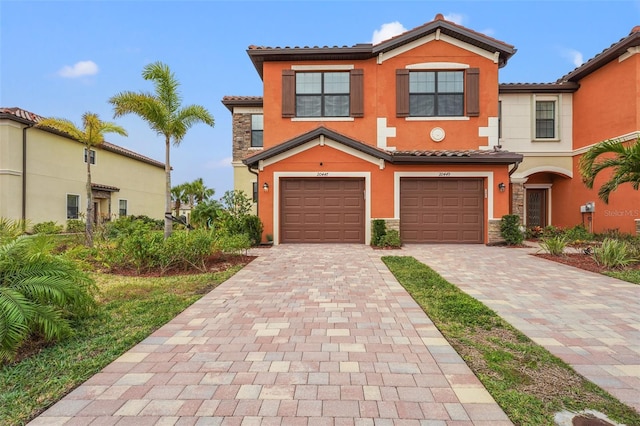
{"x": 89, "y": 220}
{"x": 168, "y": 224}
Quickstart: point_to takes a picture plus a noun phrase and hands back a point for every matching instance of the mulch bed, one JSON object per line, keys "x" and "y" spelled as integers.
{"x": 582, "y": 261}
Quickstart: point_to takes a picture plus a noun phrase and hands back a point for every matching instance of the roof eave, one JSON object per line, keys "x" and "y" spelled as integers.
{"x": 566, "y": 87}
{"x": 512, "y": 158}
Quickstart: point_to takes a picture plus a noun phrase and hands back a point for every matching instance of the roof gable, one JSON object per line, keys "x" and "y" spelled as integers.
{"x": 434, "y": 29}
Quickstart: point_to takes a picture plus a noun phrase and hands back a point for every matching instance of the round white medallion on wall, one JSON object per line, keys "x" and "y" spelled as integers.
{"x": 437, "y": 134}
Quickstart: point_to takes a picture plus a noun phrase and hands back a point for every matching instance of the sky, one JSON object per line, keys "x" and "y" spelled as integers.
{"x": 65, "y": 58}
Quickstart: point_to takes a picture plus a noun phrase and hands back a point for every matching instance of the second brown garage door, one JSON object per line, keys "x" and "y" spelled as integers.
{"x": 441, "y": 210}
{"x": 327, "y": 210}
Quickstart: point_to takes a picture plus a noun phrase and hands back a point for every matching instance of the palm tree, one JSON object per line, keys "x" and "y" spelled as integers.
{"x": 179, "y": 196}
{"x": 91, "y": 135}
{"x": 164, "y": 114}
{"x": 198, "y": 192}
{"x": 625, "y": 165}
{"x": 39, "y": 293}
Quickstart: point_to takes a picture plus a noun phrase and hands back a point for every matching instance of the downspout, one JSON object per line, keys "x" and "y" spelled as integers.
{"x": 257, "y": 181}
{"x": 24, "y": 171}
{"x": 512, "y": 171}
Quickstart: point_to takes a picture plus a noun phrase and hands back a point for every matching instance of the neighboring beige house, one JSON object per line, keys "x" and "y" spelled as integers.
{"x": 247, "y": 140}
{"x": 43, "y": 175}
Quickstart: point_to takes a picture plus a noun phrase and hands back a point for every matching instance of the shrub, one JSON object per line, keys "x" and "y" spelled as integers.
{"x": 391, "y": 239}
{"x": 613, "y": 253}
{"x": 75, "y": 226}
{"x": 378, "y": 232}
{"x": 551, "y": 231}
{"x": 510, "y": 229}
{"x": 578, "y": 233}
{"x": 233, "y": 244}
{"x": 11, "y": 229}
{"x": 48, "y": 228}
{"x": 252, "y": 226}
{"x": 554, "y": 245}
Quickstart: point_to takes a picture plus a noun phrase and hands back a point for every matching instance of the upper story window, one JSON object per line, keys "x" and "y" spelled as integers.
{"x": 257, "y": 129}
{"x": 91, "y": 155}
{"x": 73, "y": 206}
{"x": 319, "y": 95}
{"x": 436, "y": 93}
{"x": 322, "y": 94}
{"x": 545, "y": 119}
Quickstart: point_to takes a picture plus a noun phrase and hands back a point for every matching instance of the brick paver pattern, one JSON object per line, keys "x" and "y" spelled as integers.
{"x": 304, "y": 335}
{"x": 590, "y": 321}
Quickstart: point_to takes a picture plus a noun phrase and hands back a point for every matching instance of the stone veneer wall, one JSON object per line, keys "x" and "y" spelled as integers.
{"x": 494, "y": 232}
{"x": 517, "y": 200}
{"x": 637, "y": 227}
{"x": 241, "y": 136}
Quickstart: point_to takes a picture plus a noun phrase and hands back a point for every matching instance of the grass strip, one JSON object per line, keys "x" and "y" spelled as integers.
{"x": 527, "y": 381}
{"x": 131, "y": 308}
{"x": 630, "y": 275}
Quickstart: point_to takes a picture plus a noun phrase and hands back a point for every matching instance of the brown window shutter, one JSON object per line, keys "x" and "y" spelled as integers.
{"x": 402, "y": 93}
{"x": 288, "y": 93}
{"x": 356, "y": 101}
{"x": 472, "y": 77}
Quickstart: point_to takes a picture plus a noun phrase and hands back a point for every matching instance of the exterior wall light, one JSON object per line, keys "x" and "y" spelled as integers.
{"x": 501, "y": 187}
{"x": 265, "y": 187}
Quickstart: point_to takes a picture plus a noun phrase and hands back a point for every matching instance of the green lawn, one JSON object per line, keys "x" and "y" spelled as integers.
{"x": 131, "y": 308}
{"x": 632, "y": 276}
{"x": 528, "y": 382}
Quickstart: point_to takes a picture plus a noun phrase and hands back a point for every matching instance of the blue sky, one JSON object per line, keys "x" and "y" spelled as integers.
{"x": 63, "y": 58}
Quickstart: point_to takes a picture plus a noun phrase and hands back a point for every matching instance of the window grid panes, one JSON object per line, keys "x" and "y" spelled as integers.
{"x": 545, "y": 119}
{"x": 122, "y": 207}
{"x": 73, "y": 204}
{"x": 255, "y": 191}
{"x": 257, "y": 130}
{"x": 92, "y": 156}
{"x": 322, "y": 94}
{"x": 436, "y": 93}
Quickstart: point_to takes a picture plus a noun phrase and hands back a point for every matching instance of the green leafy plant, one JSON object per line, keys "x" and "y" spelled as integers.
{"x": 554, "y": 245}
{"x": 252, "y": 226}
{"x": 613, "y": 253}
{"x": 578, "y": 233}
{"x": 74, "y": 226}
{"x": 510, "y": 229}
{"x": 39, "y": 293}
{"x": 391, "y": 239}
{"x": 378, "y": 232}
{"x": 11, "y": 229}
{"x": 233, "y": 244}
{"x": 49, "y": 227}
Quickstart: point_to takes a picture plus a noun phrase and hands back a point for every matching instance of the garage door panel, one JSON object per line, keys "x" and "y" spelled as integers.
{"x": 330, "y": 210}
{"x": 442, "y": 210}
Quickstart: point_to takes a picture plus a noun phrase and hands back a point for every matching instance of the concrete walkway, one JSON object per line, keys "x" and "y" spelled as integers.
{"x": 589, "y": 320}
{"x": 304, "y": 335}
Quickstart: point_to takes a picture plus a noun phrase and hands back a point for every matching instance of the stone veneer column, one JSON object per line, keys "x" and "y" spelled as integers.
{"x": 517, "y": 197}
{"x": 637, "y": 227}
{"x": 494, "y": 232}
{"x": 241, "y": 136}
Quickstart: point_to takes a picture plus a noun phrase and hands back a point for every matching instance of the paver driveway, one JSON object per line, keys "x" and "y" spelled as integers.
{"x": 589, "y": 320}
{"x": 305, "y": 334}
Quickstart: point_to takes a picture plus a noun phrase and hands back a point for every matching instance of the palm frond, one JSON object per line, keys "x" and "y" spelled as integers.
{"x": 61, "y": 125}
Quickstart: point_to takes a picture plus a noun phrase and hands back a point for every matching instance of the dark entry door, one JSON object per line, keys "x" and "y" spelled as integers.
{"x": 537, "y": 207}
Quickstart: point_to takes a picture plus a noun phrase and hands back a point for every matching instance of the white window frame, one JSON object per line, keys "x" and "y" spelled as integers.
{"x": 556, "y": 99}
{"x": 66, "y": 202}
{"x": 126, "y": 207}
{"x": 261, "y": 146}
{"x": 85, "y": 156}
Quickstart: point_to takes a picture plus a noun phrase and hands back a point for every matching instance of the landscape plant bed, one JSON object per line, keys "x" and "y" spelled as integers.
{"x": 527, "y": 381}
{"x": 588, "y": 263}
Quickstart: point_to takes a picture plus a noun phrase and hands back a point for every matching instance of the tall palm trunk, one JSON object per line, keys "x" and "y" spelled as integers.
{"x": 168, "y": 224}
{"x": 89, "y": 222}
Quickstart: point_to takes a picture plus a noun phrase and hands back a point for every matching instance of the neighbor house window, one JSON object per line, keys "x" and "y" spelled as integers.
{"x": 257, "y": 127}
{"x": 545, "y": 119}
{"x": 443, "y": 93}
{"x": 73, "y": 206}
{"x": 122, "y": 208}
{"x": 89, "y": 155}
{"x": 255, "y": 191}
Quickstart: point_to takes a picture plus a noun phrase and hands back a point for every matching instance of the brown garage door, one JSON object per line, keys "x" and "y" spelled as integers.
{"x": 441, "y": 210}
{"x": 328, "y": 210}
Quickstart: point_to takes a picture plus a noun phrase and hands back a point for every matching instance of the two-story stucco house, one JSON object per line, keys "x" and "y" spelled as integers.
{"x": 417, "y": 131}
{"x": 405, "y": 131}
{"x": 43, "y": 175}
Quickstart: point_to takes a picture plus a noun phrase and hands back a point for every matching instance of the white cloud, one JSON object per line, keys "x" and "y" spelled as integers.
{"x": 219, "y": 163}
{"x": 79, "y": 69}
{"x": 456, "y": 18}
{"x": 574, "y": 56}
{"x": 387, "y": 31}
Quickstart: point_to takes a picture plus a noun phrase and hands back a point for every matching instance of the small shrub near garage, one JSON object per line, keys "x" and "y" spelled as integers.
{"x": 614, "y": 253}
{"x": 75, "y": 226}
{"x": 510, "y": 229}
{"x": 378, "y": 232}
{"x": 554, "y": 245}
{"x": 391, "y": 239}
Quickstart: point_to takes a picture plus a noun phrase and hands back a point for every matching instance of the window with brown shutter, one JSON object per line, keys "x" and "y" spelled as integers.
{"x": 288, "y": 93}
{"x": 356, "y": 101}
{"x": 402, "y": 93}
{"x": 472, "y": 77}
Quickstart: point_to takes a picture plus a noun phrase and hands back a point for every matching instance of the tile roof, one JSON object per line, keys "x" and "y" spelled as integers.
{"x": 27, "y": 117}
{"x": 260, "y": 54}
{"x": 566, "y": 86}
{"x": 248, "y": 101}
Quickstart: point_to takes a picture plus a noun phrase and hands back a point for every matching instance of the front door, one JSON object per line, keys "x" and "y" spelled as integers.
{"x": 536, "y": 207}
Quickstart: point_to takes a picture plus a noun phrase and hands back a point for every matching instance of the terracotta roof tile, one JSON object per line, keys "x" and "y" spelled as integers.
{"x": 28, "y": 117}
